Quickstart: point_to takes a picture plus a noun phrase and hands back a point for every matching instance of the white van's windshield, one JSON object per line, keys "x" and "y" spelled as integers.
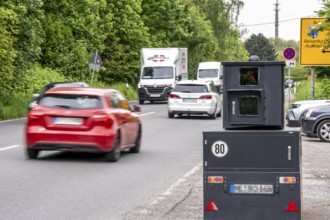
{"x": 162, "y": 72}
{"x": 208, "y": 73}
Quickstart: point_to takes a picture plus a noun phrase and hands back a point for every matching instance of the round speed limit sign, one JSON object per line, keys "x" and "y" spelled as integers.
{"x": 219, "y": 149}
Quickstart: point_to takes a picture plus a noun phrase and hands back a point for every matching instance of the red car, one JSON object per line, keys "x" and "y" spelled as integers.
{"x": 83, "y": 119}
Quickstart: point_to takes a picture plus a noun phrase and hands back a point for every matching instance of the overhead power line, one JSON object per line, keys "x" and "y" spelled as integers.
{"x": 272, "y": 23}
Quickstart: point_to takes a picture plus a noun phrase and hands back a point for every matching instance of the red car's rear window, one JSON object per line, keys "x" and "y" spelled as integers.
{"x": 71, "y": 101}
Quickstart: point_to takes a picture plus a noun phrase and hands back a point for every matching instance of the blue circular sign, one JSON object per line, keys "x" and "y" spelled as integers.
{"x": 289, "y": 53}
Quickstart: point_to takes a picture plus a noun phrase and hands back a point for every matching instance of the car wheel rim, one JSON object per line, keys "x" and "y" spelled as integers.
{"x": 325, "y": 131}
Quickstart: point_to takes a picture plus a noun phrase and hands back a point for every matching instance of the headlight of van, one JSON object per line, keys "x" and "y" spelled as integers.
{"x": 140, "y": 85}
{"x": 170, "y": 85}
{"x": 309, "y": 112}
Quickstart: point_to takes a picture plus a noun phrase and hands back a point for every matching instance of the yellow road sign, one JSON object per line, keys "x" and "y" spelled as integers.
{"x": 313, "y": 50}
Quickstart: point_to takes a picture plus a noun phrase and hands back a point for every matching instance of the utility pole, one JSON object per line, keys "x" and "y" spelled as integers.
{"x": 276, "y": 18}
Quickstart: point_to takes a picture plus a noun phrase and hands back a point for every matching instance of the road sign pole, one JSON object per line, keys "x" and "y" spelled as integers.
{"x": 289, "y": 87}
{"x": 94, "y": 67}
{"x": 312, "y": 81}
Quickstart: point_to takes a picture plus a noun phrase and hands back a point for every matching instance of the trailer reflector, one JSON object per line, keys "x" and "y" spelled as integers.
{"x": 288, "y": 180}
{"x": 292, "y": 207}
{"x": 211, "y": 206}
{"x": 215, "y": 179}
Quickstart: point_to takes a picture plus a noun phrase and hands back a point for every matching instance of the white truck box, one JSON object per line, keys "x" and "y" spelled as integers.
{"x": 161, "y": 68}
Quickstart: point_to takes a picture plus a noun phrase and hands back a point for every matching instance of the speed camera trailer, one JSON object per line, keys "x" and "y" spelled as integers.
{"x": 252, "y": 167}
{"x": 253, "y": 95}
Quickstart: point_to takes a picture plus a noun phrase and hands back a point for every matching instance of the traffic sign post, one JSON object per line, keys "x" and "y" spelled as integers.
{"x": 312, "y": 43}
{"x": 313, "y": 48}
{"x": 95, "y": 63}
{"x": 289, "y": 53}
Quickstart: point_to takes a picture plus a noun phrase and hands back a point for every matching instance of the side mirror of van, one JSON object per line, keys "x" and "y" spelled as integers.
{"x": 136, "y": 78}
{"x": 179, "y": 77}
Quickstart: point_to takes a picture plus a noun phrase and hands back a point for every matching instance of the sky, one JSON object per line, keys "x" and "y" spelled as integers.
{"x": 258, "y": 16}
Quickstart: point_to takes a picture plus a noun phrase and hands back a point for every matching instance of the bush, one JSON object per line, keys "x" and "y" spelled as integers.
{"x": 36, "y": 78}
{"x": 13, "y": 106}
{"x": 129, "y": 91}
{"x": 324, "y": 89}
{"x": 321, "y": 90}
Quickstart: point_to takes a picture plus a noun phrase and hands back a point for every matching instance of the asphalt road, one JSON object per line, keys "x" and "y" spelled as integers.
{"x": 81, "y": 186}
{"x": 164, "y": 181}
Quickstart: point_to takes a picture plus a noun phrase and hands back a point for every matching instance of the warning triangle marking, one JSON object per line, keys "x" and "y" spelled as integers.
{"x": 292, "y": 207}
{"x": 211, "y": 206}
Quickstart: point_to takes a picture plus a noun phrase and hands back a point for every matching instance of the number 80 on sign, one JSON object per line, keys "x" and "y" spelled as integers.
{"x": 219, "y": 149}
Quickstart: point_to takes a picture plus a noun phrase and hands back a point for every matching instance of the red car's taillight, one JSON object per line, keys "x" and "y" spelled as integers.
{"x": 174, "y": 96}
{"x": 205, "y": 97}
{"x": 102, "y": 119}
{"x": 35, "y": 115}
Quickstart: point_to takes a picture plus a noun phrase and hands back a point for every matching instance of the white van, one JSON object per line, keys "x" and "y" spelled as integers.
{"x": 210, "y": 71}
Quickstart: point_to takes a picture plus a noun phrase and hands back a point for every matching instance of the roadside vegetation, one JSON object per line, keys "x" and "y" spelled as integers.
{"x": 321, "y": 90}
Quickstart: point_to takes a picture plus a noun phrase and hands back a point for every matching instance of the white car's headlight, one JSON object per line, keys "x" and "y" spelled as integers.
{"x": 140, "y": 85}
{"x": 170, "y": 85}
{"x": 308, "y": 114}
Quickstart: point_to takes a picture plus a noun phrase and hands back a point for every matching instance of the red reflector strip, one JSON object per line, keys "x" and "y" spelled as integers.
{"x": 215, "y": 179}
{"x": 211, "y": 206}
{"x": 292, "y": 207}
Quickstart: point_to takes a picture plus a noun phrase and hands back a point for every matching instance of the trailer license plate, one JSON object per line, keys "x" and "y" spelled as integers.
{"x": 251, "y": 189}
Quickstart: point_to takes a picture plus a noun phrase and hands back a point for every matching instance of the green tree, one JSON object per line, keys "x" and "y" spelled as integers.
{"x": 223, "y": 16}
{"x": 200, "y": 39}
{"x": 70, "y": 36}
{"x": 121, "y": 56}
{"x": 165, "y": 21}
{"x": 325, "y": 25}
{"x": 29, "y": 38}
{"x": 259, "y": 45}
{"x": 9, "y": 24}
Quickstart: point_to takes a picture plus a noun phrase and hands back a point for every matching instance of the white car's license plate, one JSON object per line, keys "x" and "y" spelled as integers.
{"x": 190, "y": 100}
{"x": 67, "y": 121}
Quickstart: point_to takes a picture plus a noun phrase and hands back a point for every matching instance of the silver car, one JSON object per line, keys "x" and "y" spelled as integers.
{"x": 298, "y": 109}
{"x": 192, "y": 97}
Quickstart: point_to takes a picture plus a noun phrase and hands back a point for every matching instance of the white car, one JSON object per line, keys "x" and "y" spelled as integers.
{"x": 298, "y": 109}
{"x": 192, "y": 97}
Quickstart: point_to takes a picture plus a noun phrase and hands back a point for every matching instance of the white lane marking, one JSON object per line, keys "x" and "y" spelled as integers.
{"x": 16, "y": 119}
{"x": 169, "y": 191}
{"x": 10, "y": 147}
{"x": 149, "y": 113}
